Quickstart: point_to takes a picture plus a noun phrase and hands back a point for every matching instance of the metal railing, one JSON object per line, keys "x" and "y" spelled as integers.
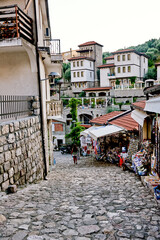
{"x": 14, "y": 106}
{"x": 14, "y": 23}
{"x": 54, "y": 46}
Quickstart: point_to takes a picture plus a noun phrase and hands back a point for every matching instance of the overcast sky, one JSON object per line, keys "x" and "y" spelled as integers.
{"x": 113, "y": 23}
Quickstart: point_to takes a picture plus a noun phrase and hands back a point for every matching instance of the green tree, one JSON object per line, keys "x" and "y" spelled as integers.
{"x": 67, "y": 75}
{"x": 76, "y": 128}
{"x": 151, "y": 74}
{"x": 66, "y": 69}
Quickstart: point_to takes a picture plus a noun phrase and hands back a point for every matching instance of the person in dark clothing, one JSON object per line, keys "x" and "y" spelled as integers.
{"x": 74, "y": 153}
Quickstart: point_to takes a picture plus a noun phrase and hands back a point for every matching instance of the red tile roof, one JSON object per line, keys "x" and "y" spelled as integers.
{"x": 89, "y": 43}
{"x": 125, "y": 121}
{"x": 124, "y": 50}
{"x": 110, "y": 57}
{"x": 129, "y": 50}
{"x": 107, "y": 65}
{"x": 86, "y": 125}
{"x": 103, "y": 119}
{"x": 157, "y": 64}
{"x": 139, "y": 105}
{"x": 80, "y": 57}
{"x": 97, "y": 89}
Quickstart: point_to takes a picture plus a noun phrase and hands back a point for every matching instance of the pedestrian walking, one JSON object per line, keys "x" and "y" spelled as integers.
{"x": 74, "y": 153}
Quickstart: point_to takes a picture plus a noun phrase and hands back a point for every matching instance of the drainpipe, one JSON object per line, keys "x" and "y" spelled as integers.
{"x": 40, "y": 95}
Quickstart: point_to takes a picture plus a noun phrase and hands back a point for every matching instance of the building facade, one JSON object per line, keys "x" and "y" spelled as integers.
{"x": 27, "y": 56}
{"x": 84, "y": 67}
{"x": 123, "y": 67}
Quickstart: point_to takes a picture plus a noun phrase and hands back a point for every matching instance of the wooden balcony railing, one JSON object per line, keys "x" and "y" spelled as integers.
{"x": 54, "y": 108}
{"x": 14, "y": 23}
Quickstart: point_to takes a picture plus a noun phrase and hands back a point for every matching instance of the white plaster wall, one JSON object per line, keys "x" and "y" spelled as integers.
{"x": 134, "y": 71}
{"x": 82, "y": 79}
{"x": 86, "y": 68}
{"x": 144, "y": 65}
{"x": 86, "y": 65}
{"x": 109, "y": 61}
{"x": 158, "y": 72}
{"x": 104, "y": 81}
{"x": 20, "y": 3}
{"x": 135, "y": 59}
{"x": 16, "y": 77}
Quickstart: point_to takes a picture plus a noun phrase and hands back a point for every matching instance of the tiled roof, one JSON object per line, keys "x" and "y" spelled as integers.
{"x": 86, "y": 125}
{"x": 89, "y": 43}
{"x": 139, "y": 105}
{"x": 97, "y": 89}
{"x": 80, "y": 57}
{"x": 129, "y": 50}
{"x": 107, "y": 65}
{"x": 125, "y": 121}
{"x": 110, "y": 57}
{"x": 157, "y": 64}
{"x": 124, "y": 50}
{"x": 103, "y": 119}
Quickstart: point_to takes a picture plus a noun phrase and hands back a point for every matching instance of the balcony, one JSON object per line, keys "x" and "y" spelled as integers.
{"x": 53, "y": 47}
{"x": 14, "y": 23}
{"x": 54, "y": 108}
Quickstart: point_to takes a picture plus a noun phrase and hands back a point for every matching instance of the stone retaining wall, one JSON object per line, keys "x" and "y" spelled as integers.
{"x": 21, "y": 156}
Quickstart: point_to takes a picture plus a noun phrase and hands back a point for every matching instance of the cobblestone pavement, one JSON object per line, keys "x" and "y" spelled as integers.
{"x": 86, "y": 201}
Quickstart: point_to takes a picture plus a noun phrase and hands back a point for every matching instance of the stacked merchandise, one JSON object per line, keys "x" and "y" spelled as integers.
{"x": 113, "y": 155}
{"x": 141, "y": 161}
{"x": 138, "y": 164}
{"x": 133, "y": 147}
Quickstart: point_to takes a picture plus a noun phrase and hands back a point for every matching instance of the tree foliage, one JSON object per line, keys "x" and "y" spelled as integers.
{"x": 66, "y": 68}
{"x": 76, "y": 128}
{"x": 151, "y": 74}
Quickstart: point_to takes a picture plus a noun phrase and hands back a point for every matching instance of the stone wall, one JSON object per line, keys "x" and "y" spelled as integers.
{"x": 21, "y": 156}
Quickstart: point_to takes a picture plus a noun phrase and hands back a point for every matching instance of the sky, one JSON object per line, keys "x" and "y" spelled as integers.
{"x": 113, "y": 23}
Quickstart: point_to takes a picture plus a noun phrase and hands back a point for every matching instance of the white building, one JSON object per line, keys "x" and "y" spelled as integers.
{"x": 82, "y": 73}
{"x": 123, "y": 66}
{"x": 84, "y": 67}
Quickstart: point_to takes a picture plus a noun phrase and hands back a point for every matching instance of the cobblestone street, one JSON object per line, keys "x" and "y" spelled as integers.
{"x": 89, "y": 200}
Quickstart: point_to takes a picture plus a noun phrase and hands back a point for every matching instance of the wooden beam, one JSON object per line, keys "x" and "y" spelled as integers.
{"x": 27, "y": 6}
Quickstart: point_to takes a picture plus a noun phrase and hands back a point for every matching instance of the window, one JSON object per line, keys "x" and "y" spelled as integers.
{"x": 124, "y": 69}
{"x": 79, "y": 84}
{"x": 90, "y": 74}
{"x": 129, "y": 56}
{"x": 144, "y": 59}
{"x": 90, "y": 64}
{"x": 123, "y": 57}
{"x": 74, "y": 64}
{"x": 77, "y": 74}
{"x": 82, "y": 74}
{"x": 129, "y": 68}
{"x": 144, "y": 71}
{"x": 81, "y": 63}
{"x": 74, "y": 74}
{"x": 68, "y": 123}
{"x": 78, "y": 64}
{"x": 119, "y": 69}
{"x": 118, "y": 58}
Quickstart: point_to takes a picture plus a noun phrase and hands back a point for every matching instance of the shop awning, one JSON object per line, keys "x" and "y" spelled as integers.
{"x": 153, "y": 105}
{"x": 139, "y": 116}
{"x": 86, "y": 132}
{"x": 104, "y": 131}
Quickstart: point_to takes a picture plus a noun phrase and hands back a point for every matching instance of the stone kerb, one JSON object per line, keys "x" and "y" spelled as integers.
{"x": 21, "y": 156}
